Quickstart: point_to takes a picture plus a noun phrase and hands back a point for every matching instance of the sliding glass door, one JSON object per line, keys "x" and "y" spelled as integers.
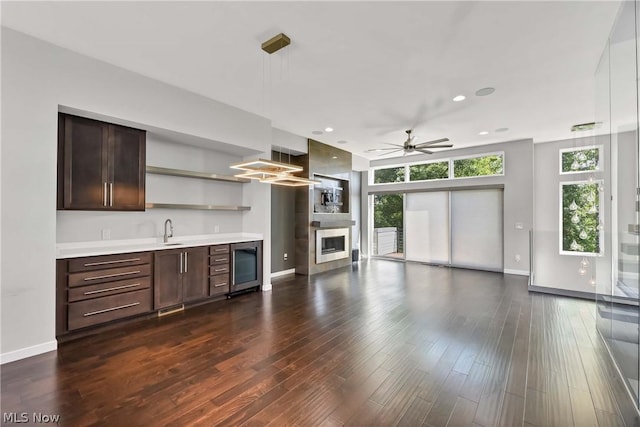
{"x": 388, "y": 225}
{"x": 476, "y": 229}
{"x": 427, "y": 224}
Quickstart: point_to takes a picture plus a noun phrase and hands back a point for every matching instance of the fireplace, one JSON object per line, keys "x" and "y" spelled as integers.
{"x": 332, "y": 244}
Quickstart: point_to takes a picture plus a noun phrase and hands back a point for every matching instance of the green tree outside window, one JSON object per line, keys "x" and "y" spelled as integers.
{"x": 580, "y": 160}
{"x": 426, "y": 171}
{"x": 581, "y": 218}
{"x": 383, "y": 176}
{"x": 478, "y": 166}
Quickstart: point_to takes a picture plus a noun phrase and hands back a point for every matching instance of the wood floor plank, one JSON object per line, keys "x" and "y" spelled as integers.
{"x": 386, "y": 343}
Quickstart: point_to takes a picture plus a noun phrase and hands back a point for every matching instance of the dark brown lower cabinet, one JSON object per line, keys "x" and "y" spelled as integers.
{"x": 180, "y": 275}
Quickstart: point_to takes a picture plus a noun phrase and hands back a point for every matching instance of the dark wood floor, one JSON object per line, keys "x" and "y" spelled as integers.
{"x": 383, "y": 343}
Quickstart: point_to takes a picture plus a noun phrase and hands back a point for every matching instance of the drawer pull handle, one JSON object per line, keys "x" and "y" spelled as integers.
{"x": 221, "y": 284}
{"x": 106, "y": 310}
{"x": 91, "y": 264}
{"x": 221, "y": 259}
{"x": 99, "y": 291}
{"x": 106, "y": 276}
{"x": 220, "y": 269}
{"x": 220, "y": 250}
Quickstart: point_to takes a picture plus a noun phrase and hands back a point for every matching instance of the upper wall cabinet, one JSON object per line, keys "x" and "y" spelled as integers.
{"x": 101, "y": 166}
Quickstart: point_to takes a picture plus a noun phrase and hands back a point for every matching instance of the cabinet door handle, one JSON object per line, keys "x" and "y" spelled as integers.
{"x": 111, "y": 194}
{"x": 221, "y": 284}
{"x": 106, "y": 310}
{"x": 104, "y": 195}
{"x": 181, "y": 254}
{"x": 186, "y": 262}
{"x": 106, "y": 276}
{"x": 91, "y": 264}
{"x": 99, "y": 291}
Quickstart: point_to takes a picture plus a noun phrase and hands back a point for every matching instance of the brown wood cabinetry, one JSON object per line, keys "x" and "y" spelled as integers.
{"x": 219, "y": 268}
{"x": 101, "y": 289}
{"x": 101, "y": 166}
{"x": 180, "y": 275}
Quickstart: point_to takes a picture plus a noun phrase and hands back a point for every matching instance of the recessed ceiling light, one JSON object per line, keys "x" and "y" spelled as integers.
{"x": 342, "y": 141}
{"x": 501, "y": 130}
{"x": 328, "y": 129}
{"x": 485, "y": 91}
{"x": 459, "y": 98}
{"x": 317, "y": 132}
{"x": 334, "y": 157}
{"x": 484, "y": 132}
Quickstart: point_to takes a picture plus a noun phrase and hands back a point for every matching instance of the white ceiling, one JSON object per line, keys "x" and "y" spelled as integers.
{"x": 368, "y": 69}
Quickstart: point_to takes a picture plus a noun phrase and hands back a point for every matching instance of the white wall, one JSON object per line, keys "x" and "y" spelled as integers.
{"x": 518, "y": 192}
{"x": 37, "y": 77}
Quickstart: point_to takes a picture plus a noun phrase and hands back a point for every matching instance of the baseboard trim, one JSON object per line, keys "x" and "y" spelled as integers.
{"x": 283, "y": 273}
{"x": 516, "y": 272}
{"x": 563, "y": 292}
{"x": 23, "y": 353}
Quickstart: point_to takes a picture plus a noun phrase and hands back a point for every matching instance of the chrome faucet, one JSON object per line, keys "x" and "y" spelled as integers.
{"x": 170, "y": 233}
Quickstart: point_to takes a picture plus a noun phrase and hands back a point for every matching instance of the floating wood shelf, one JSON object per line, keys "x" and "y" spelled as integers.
{"x": 192, "y": 174}
{"x": 196, "y": 207}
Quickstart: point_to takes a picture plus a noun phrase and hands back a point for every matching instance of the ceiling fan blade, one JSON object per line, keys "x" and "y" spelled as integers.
{"x": 395, "y": 145}
{"x": 373, "y": 150}
{"x": 422, "y": 150}
{"x": 390, "y": 152}
{"x": 435, "y": 141}
{"x": 439, "y": 146}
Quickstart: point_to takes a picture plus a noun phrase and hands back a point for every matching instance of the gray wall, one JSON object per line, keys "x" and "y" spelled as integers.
{"x": 356, "y": 188}
{"x": 551, "y": 269}
{"x": 282, "y": 228}
{"x": 518, "y": 192}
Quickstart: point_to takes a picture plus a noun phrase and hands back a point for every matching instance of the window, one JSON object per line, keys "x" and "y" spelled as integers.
{"x": 580, "y": 217}
{"x": 426, "y": 171}
{"x": 583, "y": 159}
{"x": 383, "y": 176}
{"x": 478, "y": 166}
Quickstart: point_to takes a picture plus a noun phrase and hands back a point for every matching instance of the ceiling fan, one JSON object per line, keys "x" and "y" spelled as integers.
{"x": 410, "y": 147}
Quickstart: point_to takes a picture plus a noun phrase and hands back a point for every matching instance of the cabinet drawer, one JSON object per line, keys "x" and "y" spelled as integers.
{"x": 108, "y": 261}
{"x": 108, "y": 288}
{"x": 219, "y": 259}
{"x": 218, "y": 284}
{"x": 218, "y": 269}
{"x": 108, "y": 275}
{"x": 100, "y": 310}
{"x": 218, "y": 249}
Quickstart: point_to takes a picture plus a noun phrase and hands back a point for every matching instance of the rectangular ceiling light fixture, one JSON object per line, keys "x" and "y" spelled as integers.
{"x": 276, "y": 43}
{"x": 290, "y": 181}
{"x": 584, "y": 126}
{"x": 266, "y": 166}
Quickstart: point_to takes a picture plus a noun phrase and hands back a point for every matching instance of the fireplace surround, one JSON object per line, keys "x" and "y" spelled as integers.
{"x": 332, "y": 244}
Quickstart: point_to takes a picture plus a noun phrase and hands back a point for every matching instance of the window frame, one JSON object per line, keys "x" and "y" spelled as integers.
{"x": 561, "y": 251}
{"x": 475, "y": 156}
{"x": 583, "y": 148}
{"x": 450, "y": 160}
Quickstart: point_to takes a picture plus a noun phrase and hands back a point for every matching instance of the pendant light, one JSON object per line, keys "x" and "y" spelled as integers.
{"x": 270, "y": 171}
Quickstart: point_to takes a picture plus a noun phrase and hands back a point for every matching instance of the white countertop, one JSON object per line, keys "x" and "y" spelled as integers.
{"x": 110, "y": 247}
